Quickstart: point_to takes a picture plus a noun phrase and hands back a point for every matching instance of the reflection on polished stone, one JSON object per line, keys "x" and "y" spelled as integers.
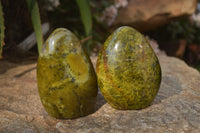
{"x": 128, "y": 71}
{"x": 67, "y": 81}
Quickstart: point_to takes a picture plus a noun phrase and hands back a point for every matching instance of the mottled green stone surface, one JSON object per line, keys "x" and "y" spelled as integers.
{"x": 66, "y": 79}
{"x": 128, "y": 70}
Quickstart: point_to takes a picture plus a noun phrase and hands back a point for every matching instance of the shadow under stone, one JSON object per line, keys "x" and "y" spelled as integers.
{"x": 100, "y": 100}
{"x": 169, "y": 87}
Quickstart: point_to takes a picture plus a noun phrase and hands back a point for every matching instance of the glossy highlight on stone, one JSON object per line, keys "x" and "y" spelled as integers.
{"x": 66, "y": 79}
{"x": 128, "y": 71}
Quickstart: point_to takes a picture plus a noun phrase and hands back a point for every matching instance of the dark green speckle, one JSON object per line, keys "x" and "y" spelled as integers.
{"x": 128, "y": 70}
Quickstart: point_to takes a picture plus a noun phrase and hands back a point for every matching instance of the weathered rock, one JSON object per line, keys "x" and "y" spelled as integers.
{"x": 148, "y": 14}
{"x": 175, "y": 109}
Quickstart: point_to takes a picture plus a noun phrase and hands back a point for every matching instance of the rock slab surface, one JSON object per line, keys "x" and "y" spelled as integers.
{"x": 148, "y": 14}
{"x": 175, "y": 109}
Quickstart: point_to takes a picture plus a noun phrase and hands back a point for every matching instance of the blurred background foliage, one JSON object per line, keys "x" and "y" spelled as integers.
{"x": 35, "y": 17}
{"x": 182, "y": 28}
{"x": 79, "y": 16}
{"x": 82, "y": 18}
{"x": 1, "y": 29}
{"x": 68, "y": 14}
{"x": 169, "y": 38}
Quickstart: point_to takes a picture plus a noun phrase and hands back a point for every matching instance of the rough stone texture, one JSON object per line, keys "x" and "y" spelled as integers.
{"x": 175, "y": 109}
{"x": 148, "y": 14}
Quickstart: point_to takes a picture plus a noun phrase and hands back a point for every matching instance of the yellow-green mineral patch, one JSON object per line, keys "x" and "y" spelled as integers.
{"x": 128, "y": 70}
{"x": 66, "y": 79}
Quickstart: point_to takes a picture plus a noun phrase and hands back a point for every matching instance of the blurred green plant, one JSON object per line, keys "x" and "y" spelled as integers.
{"x": 35, "y": 17}
{"x": 81, "y": 17}
{"x": 86, "y": 18}
{"x": 188, "y": 30}
{"x": 184, "y": 29}
{"x": 1, "y": 29}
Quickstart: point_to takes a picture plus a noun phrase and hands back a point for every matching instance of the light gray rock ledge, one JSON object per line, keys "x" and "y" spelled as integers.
{"x": 175, "y": 109}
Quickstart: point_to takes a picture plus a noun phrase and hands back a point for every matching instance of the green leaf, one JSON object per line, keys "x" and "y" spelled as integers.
{"x": 86, "y": 18}
{"x": 1, "y": 29}
{"x": 35, "y": 16}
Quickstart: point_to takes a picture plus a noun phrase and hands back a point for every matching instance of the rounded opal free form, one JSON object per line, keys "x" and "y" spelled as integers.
{"x": 66, "y": 79}
{"x": 128, "y": 70}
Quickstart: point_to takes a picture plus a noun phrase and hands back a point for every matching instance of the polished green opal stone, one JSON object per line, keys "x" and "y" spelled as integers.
{"x": 128, "y": 70}
{"x": 66, "y": 79}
